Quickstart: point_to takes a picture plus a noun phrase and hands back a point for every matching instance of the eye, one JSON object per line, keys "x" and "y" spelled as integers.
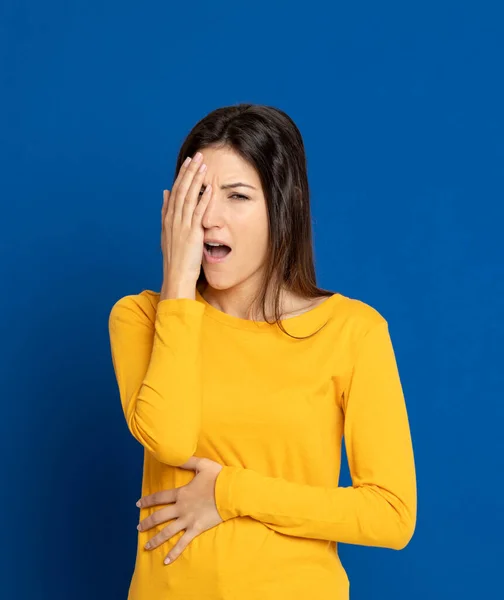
{"x": 239, "y": 196}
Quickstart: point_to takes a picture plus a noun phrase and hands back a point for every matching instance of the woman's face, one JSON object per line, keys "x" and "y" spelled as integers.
{"x": 238, "y": 217}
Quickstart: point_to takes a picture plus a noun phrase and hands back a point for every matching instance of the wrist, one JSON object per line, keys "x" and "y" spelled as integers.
{"x": 225, "y": 491}
{"x": 173, "y": 290}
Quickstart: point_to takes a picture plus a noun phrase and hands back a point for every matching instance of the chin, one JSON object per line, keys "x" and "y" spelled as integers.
{"x": 217, "y": 283}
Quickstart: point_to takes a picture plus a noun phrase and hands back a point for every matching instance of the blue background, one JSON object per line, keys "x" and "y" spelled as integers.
{"x": 400, "y": 106}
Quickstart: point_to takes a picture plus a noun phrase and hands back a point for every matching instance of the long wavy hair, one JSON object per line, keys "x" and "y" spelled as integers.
{"x": 268, "y": 139}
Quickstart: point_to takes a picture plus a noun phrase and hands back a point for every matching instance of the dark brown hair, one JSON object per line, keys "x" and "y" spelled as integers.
{"x": 269, "y": 140}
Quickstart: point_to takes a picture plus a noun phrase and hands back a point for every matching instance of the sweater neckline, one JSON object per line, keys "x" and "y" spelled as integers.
{"x": 310, "y": 317}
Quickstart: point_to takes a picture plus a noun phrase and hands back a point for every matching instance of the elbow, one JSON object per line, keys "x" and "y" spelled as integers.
{"x": 166, "y": 447}
{"x": 174, "y": 455}
{"x": 396, "y": 525}
{"x": 404, "y": 529}
{"x": 403, "y": 536}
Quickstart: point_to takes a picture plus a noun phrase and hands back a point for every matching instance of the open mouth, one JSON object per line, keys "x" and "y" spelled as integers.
{"x": 216, "y": 253}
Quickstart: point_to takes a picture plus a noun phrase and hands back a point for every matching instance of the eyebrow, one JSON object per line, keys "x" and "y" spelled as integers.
{"x": 235, "y": 185}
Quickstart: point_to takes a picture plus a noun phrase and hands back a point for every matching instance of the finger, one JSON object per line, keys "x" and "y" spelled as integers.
{"x": 166, "y": 197}
{"x": 168, "y": 220}
{"x": 174, "y": 190}
{"x": 165, "y": 534}
{"x": 161, "y": 497}
{"x": 159, "y": 516}
{"x": 183, "y": 188}
{"x": 193, "y": 194}
{"x": 180, "y": 174}
{"x": 201, "y": 207}
{"x": 180, "y": 546}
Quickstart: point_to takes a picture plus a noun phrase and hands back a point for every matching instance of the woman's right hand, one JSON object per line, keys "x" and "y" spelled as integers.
{"x": 182, "y": 233}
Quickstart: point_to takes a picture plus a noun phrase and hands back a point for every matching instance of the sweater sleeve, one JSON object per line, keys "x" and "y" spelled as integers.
{"x": 379, "y": 509}
{"x": 157, "y": 363}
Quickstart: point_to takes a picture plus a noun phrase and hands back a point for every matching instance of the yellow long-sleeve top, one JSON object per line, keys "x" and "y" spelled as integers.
{"x": 194, "y": 380}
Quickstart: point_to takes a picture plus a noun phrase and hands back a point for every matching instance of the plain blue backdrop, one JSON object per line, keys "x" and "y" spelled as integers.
{"x": 400, "y": 106}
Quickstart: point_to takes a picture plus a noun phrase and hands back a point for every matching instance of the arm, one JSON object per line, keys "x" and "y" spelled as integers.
{"x": 156, "y": 360}
{"x": 379, "y": 509}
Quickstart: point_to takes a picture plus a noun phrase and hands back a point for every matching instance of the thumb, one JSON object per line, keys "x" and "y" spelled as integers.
{"x": 192, "y": 464}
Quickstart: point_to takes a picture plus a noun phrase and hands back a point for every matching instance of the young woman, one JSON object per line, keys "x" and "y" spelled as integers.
{"x": 241, "y": 378}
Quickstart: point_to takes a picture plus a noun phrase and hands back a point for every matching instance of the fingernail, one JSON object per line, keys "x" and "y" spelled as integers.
{"x": 167, "y": 560}
{"x": 138, "y": 503}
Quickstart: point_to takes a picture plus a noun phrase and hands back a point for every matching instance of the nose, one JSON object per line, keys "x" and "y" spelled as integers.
{"x": 214, "y": 213}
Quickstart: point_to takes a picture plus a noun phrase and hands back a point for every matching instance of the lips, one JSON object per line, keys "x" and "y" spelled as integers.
{"x": 209, "y": 248}
{"x": 218, "y": 257}
{"x": 215, "y": 241}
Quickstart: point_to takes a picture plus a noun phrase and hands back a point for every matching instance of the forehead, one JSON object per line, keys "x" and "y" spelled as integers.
{"x": 226, "y": 164}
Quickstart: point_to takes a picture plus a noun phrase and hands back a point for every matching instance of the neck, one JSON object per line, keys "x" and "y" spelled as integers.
{"x": 243, "y": 301}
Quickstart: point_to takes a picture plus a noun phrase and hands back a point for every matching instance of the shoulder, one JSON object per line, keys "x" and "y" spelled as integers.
{"x": 355, "y": 318}
{"x": 135, "y": 307}
{"x": 359, "y": 312}
{"x": 361, "y": 330}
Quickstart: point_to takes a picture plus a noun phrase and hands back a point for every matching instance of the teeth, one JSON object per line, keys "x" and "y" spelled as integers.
{"x": 213, "y": 244}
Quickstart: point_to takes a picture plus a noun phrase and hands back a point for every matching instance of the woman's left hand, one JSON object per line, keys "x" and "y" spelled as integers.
{"x": 192, "y": 506}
